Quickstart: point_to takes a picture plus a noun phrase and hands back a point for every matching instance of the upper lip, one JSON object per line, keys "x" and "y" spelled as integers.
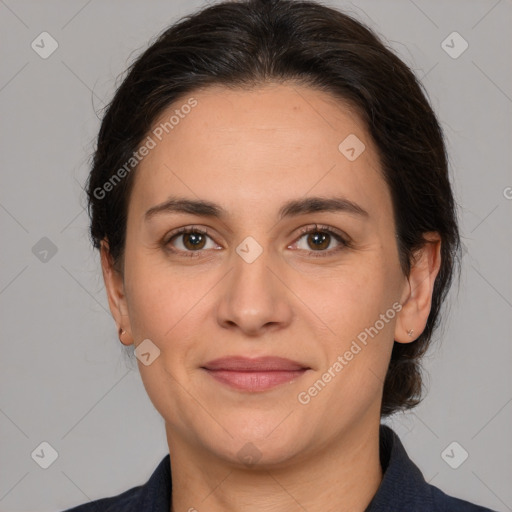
{"x": 256, "y": 364}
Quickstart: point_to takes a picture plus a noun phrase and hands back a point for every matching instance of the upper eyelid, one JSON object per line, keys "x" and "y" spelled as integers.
{"x": 320, "y": 227}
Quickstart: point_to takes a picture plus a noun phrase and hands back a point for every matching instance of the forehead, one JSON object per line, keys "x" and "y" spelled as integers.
{"x": 240, "y": 147}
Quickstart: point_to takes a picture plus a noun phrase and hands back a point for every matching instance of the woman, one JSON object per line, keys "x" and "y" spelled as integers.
{"x": 271, "y": 201}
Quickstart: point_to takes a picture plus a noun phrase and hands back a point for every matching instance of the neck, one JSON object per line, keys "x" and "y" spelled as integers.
{"x": 342, "y": 476}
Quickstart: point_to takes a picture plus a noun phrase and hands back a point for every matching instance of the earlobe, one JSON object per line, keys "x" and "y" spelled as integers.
{"x": 124, "y": 337}
{"x": 417, "y": 302}
{"x": 114, "y": 286}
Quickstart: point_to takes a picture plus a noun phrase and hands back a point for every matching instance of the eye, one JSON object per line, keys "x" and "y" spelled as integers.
{"x": 321, "y": 239}
{"x": 190, "y": 239}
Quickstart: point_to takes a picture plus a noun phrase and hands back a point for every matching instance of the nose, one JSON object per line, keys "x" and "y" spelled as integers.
{"x": 254, "y": 300}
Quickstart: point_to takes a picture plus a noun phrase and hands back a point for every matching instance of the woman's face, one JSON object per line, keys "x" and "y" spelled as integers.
{"x": 255, "y": 285}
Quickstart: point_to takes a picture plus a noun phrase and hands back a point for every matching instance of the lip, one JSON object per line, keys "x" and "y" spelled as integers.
{"x": 254, "y": 364}
{"x": 254, "y": 374}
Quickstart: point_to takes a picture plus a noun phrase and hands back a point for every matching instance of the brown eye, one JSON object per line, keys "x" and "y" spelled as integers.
{"x": 194, "y": 241}
{"x": 188, "y": 240}
{"x": 318, "y": 240}
{"x": 321, "y": 240}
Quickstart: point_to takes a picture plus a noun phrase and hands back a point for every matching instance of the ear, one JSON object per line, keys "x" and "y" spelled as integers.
{"x": 417, "y": 297}
{"x": 114, "y": 286}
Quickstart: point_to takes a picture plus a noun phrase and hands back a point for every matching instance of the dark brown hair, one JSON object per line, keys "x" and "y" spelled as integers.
{"x": 241, "y": 44}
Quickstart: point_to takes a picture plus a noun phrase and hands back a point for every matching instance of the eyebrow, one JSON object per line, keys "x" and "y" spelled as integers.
{"x": 291, "y": 208}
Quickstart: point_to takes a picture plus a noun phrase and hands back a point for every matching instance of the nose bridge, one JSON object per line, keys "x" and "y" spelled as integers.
{"x": 252, "y": 281}
{"x": 254, "y": 297}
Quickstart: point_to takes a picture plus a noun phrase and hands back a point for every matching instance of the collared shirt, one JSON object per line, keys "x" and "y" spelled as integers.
{"x": 403, "y": 488}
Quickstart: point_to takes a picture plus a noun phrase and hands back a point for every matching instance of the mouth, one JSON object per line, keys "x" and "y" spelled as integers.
{"x": 254, "y": 374}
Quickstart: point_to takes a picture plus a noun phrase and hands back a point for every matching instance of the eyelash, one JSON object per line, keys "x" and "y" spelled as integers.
{"x": 344, "y": 243}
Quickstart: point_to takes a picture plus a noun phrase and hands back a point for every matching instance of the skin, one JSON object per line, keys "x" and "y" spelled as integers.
{"x": 250, "y": 151}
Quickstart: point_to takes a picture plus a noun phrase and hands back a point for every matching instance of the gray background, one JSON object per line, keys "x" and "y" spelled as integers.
{"x": 64, "y": 378}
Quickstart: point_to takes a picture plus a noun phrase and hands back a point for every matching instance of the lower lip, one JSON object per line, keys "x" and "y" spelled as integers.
{"x": 255, "y": 381}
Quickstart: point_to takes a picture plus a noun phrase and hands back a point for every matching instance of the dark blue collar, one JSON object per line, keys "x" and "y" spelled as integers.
{"x": 403, "y": 487}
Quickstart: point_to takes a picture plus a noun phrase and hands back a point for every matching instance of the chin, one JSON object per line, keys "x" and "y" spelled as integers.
{"x": 258, "y": 440}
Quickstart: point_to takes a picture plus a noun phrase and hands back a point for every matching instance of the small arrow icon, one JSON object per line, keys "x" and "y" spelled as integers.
{"x": 146, "y": 352}
{"x": 454, "y": 455}
{"x": 351, "y": 147}
{"x": 44, "y": 455}
{"x": 249, "y": 454}
{"x": 454, "y": 45}
{"x": 44, "y": 45}
{"x": 44, "y": 250}
{"x": 249, "y": 249}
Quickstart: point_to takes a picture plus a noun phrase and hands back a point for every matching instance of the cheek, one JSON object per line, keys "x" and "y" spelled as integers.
{"x": 357, "y": 347}
{"x": 165, "y": 304}
{"x": 166, "y": 308}
{"x": 153, "y": 304}
{"x": 351, "y": 298}
{"x": 358, "y": 307}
